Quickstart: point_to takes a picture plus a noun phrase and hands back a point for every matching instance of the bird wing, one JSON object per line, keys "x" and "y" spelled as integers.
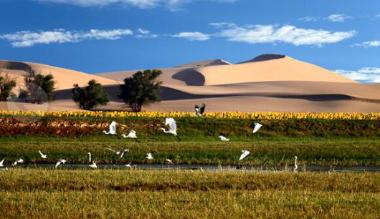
{"x": 244, "y": 154}
{"x": 173, "y": 125}
{"x": 202, "y": 108}
{"x": 57, "y": 164}
{"x": 257, "y": 127}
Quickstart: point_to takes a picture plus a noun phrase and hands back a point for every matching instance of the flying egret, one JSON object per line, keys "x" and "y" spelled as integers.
{"x": 256, "y": 127}
{"x": 295, "y": 169}
{"x": 223, "y": 138}
{"x": 131, "y": 134}
{"x": 172, "y": 126}
{"x": 93, "y": 165}
{"x": 112, "y": 129}
{"x": 244, "y": 154}
{"x": 2, "y": 163}
{"x": 43, "y": 156}
{"x": 200, "y": 109}
{"x": 18, "y": 161}
{"x": 123, "y": 152}
{"x": 119, "y": 153}
{"x": 149, "y": 156}
{"x": 61, "y": 161}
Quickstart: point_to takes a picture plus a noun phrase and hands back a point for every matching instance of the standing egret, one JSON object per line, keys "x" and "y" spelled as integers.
{"x": 131, "y": 134}
{"x": 112, "y": 129}
{"x": 200, "y": 109}
{"x": 18, "y": 161}
{"x": 295, "y": 169}
{"x": 223, "y": 138}
{"x": 172, "y": 126}
{"x": 43, "y": 156}
{"x": 256, "y": 127}
{"x": 89, "y": 157}
{"x": 149, "y": 156}
{"x": 2, "y": 163}
{"x": 244, "y": 154}
{"x": 61, "y": 161}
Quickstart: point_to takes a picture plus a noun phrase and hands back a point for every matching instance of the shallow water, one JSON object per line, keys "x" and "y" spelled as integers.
{"x": 206, "y": 167}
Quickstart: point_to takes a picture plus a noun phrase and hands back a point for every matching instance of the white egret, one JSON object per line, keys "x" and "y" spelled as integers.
{"x": 244, "y": 154}
{"x": 18, "y": 161}
{"x": 149, "y": 156}
{"x": 43, "y": 156}
{"x": 61, "y": 161}
{"x": 200, "y": 109}
{"x": 89, "y": 157}
{"x": 131, "y": 134}
{"x": 2, "y": 163}
{"x": 93, "y": 165}
{"x": 223, "y": 138}
{"x": 169, "y": 161}
{"x": 256, "y": 127}
{"x": 172, "y": 126}
{"x": 295, "y": 169}
{"x": 119, "y": 153}
{"x": 112, "y": 129}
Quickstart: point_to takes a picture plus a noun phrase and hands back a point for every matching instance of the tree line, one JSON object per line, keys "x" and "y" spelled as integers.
{"x": 142, "y": 88}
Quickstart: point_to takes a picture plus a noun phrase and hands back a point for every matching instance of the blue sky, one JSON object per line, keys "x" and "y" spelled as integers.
{"x": 109, "y": 35}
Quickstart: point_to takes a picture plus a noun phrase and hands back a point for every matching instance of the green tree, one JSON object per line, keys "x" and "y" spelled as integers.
{"x": 140, "y": 89}
{"x": 40, "y": 87}
{"x": 91, "y": 96}
{"x": 6, "y": 86}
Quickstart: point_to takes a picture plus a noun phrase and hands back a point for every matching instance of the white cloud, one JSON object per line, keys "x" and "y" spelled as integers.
{"x": 143, "y": 4}
{"x": 254, "y": 34}
{"x": 367, "y": 44}
{"x": 366, "y": 74}
{"x": 192, "y": 36}
{"x": 338, "y": 17}
{"x": 308, "y": 19}
{"x": 143, "y": 33}
{"x": 29, "y": 38}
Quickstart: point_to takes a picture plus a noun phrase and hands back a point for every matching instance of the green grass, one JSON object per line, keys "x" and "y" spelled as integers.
{"x": 342, "y": 151}
{"x": 31, "y": 193}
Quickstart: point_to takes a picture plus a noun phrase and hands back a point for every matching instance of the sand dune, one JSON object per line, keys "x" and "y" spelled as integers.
{"x": 64, "y": 78}
{"x": 266, "y": 83}
{"x": 280, "y": 69}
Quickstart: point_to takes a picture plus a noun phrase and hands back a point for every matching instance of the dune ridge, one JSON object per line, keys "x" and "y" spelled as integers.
{"x": 268, "y": 82}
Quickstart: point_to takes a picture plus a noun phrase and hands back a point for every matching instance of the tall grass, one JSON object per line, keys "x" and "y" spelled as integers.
{"x": 266, "y": 151}
{"x": 187, "y": 194}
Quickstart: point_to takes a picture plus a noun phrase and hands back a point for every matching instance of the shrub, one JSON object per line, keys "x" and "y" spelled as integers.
{"x": 6, "y": 86}
{"x": 40, "y": 87}
{"x": 140, "y": 89}
{"x": 91, "y": 96}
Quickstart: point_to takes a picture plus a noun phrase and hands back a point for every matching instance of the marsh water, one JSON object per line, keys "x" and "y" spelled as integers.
{"x": 207, "y": 167}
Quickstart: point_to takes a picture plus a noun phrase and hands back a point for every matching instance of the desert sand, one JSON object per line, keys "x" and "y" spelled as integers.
{"x": 265, "y": 83}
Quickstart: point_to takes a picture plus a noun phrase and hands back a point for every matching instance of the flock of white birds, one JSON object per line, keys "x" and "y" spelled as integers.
{"x": 171, "y": 125}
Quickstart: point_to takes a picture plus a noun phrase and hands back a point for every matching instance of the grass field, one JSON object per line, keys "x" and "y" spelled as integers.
{"x": 328, "y": 140}
{"x": 271, "y": 151}
{"x": 31, "y": 193}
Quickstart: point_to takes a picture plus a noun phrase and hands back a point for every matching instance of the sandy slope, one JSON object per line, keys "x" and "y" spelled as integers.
{"x": 277, "y": 85}
{"x": 64, "y": 78}
{"x": 283, "y": 69}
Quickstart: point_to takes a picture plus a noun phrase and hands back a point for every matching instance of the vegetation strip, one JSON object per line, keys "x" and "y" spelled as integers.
{"x": 123, "y": 180}
{"x": 265, "y": 151}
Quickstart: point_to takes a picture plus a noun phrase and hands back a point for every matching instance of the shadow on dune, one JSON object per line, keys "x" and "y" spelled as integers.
{"x": 190, "y": 76}
{"x": 167, "y": 93}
